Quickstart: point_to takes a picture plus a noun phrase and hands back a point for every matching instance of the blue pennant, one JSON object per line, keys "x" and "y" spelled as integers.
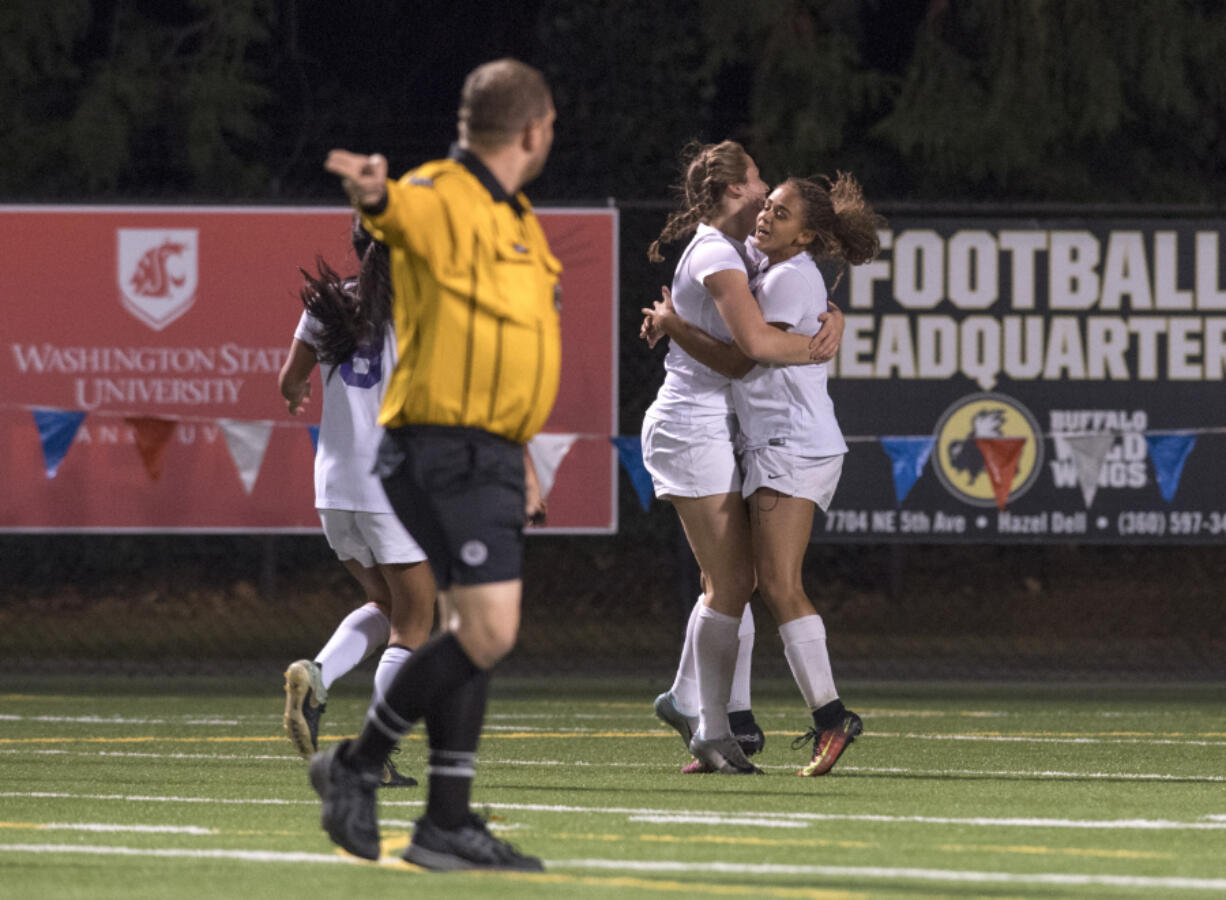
{"x": 1169, "y": 452}
{"x": 314, "y": 432}
{"x": 56, "y": 430}
{"x": 630, "y": 452}
{"x": 908, "y": 455}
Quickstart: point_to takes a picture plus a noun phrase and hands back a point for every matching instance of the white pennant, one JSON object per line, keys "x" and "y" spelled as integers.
{"x": 547, "y": 452}
{"x": 1089, "y": 451}
{"x": 247, "y": 442}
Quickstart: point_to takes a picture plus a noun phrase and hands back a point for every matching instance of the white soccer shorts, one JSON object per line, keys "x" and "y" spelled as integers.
{"x": 369, "y": 538}
{"x": 691, "y": 459}
{"x": 812, "y": 477}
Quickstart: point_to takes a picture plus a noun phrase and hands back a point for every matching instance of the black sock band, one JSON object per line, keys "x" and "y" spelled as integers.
{"x": 741, "y": 720}
{"x": 828, "y": 716}
{"x": 433, "y": 671}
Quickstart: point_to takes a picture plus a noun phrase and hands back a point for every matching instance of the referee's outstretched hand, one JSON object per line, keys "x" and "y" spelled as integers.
{"x": 364, "y": 178}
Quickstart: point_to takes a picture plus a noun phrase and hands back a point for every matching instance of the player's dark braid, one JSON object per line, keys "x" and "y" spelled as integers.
{"x": 709, "y": 170}
{"x": 351, "y": 312}
{"x": 375, "y": 287}
{"x": 332, "y": 302}
{"x": 843, "y": 222}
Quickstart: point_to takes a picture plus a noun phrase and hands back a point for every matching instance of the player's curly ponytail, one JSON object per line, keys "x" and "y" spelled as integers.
{"x": 843, "y": 222}
{"x": 709, "y": 170}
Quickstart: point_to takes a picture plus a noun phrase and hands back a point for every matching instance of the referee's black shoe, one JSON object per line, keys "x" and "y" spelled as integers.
{"x": 348, "y": 795}
{"x": 470, "y": 846}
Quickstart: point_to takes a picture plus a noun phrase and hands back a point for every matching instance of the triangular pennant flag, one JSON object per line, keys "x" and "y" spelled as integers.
{"x": 313, "y": 431}
{"x": 56, "y": 429}
{"x": 908, "y": 455}
{"x": 1000, "y": 458}
{"x": 1169, "y": 452}
{"x": 547, "y": 452}
{"x": 151, "y": 437}
{"x": 1089, "y": 451}
{"x": 630, "y": 452}
{"x": 247, "y": 442}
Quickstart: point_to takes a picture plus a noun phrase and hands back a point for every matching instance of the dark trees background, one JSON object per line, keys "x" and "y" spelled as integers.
{"x": 946, "y": 100}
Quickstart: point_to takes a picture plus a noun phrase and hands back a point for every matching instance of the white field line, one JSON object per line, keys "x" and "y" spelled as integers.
{"x": 129, "y": 754}
{"x": 975, "y": 821}
{"x": 664, "y": 767}
{"x": 686, "y": 819}
{"x": 1019, "y": 773}
{"x": 105, "y": 827}
{"x": 882, "y": 872}
{"x": 495, "y": 731}
{"x": 1208, "y": 824}
{"x": 724, "y": 868}
{"x": 146, "y": 798}
{"x": 1040, "y": 739}
{"x": 118, "y": 720}
{"x": 173, "y": 853}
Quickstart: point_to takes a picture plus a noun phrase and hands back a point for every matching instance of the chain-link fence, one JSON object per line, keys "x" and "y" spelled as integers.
{"x": 617, "y": 604}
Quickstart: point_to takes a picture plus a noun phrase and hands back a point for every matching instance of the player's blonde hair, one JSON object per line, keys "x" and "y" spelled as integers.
{"x": 710, "y": 169}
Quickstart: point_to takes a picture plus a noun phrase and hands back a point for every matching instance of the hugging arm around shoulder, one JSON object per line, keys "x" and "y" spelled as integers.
{"x": 741, "y": 313}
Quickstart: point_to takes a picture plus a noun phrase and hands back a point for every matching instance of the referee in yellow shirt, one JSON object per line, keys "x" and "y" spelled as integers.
{"x": 476, "y": 321}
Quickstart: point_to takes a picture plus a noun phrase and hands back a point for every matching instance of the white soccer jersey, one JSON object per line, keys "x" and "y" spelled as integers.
{"x": 788, "y": 406}
{"x": 692, "y": 390}
{"x": 349, "y": 430}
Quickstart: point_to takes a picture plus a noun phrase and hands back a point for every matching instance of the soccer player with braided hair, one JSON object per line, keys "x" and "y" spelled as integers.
{"x": 791, "y": 446}
{"x": 345, "y": 328}
{"x": 688, "y": 443}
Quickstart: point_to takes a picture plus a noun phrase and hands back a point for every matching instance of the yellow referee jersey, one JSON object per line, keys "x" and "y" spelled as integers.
{"x": 475, "y": 304}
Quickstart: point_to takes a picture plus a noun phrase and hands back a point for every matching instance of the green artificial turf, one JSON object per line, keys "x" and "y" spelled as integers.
{"x": 171, "y": 789}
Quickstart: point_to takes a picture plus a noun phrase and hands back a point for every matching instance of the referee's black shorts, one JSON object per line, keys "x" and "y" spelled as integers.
{"x": 460, "y": 493}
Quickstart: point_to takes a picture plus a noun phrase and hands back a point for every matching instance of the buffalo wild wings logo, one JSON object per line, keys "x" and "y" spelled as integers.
{"x": 973, "y": 423}
{"x": 157, "y": 273}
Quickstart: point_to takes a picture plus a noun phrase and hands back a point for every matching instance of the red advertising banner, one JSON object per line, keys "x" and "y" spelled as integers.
{"x": 141, "y": 345}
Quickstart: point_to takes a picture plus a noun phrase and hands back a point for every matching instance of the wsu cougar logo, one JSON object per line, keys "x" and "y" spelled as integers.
{"x": 157, "y": 273}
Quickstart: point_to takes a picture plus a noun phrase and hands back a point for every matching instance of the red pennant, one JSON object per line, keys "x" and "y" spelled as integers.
{"x": 1000, "y": 456}
{"x": 151, "y": 437}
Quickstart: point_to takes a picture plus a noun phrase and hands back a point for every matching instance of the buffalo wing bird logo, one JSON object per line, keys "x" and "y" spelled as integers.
{"x": 152, "y": 278}
{"x": 964, "y": 455}
{"x": 994, "y": 422}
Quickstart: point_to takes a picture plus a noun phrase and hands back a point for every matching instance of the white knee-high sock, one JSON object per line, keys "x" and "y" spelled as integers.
{"x": 804, "y": 645}
{"x": 390, "y": 662}
{"x": 744, "y": 662}
{"x": 715, "y": 643}
{"x": 355, "y": 638}
{"x": 685, "y": 684}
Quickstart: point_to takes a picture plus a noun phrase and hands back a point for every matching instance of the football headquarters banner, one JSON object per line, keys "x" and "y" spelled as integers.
{"x": 140, "y": 352}
{"x": 1007, "y": 380}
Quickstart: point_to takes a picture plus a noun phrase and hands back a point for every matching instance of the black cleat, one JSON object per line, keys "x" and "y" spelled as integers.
{"x": 348, "y": 795}
{"x": 392, "y": 777}
{"x": 470, "y": 846}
